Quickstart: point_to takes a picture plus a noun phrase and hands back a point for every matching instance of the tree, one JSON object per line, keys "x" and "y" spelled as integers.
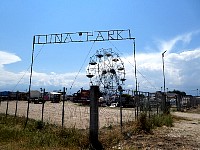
{"x": 178, "y": 92}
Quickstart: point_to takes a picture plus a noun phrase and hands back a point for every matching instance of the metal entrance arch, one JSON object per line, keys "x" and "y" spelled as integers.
{"x": 96, "y": 36}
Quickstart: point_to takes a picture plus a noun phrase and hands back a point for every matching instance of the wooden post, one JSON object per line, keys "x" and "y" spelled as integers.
{"x": 27, "y": 111}
{"x": 149, "y": 105}
{"x": 157, "y": 105}
{"x": 43, "y": 105}
{"x": 16, "y": 103}
{"x": 7, "y": 105}
{"x": 63, "y": 109}
{"x": 94, "y": 118}
{"x": 120, "y": 100}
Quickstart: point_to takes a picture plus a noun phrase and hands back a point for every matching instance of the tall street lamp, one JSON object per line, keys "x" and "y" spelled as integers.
{"x": 164, "y": 102}
{"x": 163, "y": 70}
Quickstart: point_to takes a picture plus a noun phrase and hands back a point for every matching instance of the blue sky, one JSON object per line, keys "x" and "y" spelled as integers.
{"x": 157, "y": 26}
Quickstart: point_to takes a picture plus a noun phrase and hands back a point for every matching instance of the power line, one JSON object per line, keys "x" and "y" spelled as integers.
{"x": 133, "y": 65}
{"x": 82, "y": 65}
{"x": 27, "y": 68}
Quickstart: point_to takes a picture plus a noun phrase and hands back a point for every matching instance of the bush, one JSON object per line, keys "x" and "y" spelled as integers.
{"x": 168, "y": 120}
{"x": 146, "y": 124}
{"x": 72, "y": 137}
{"x": 143, "y": 123}
{"x": 159, "y": 121}
{"x": 110, "y": 136}
{"x": 39, "y": 125}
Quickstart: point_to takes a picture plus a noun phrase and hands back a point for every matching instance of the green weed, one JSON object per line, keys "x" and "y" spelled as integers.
{"x": 39, "y": 135}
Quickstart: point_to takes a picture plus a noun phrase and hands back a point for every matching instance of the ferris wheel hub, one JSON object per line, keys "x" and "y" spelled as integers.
{"x": 106, "y": 70}
{"x": 112, "y": 71}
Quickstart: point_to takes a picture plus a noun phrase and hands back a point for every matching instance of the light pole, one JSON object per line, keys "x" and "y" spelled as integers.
{"x": 164, "y": 102}
{"x": 134, "y": 55}
{"x": 163, "y": 70}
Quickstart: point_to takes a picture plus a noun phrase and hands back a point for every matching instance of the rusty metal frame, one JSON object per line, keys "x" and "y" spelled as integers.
{"x": 96, "y": 36}
{"x": 82, "y": 37}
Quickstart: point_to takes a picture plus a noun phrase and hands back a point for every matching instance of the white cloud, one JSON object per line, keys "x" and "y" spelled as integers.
{"x": 7, "y": 77}
{"x": 7, "y": 58}
{"x": 54, "y": 79}
{"x": 11, "y": 79}
{"x": 169, "y": 45}
{"x": 182, "y": 69}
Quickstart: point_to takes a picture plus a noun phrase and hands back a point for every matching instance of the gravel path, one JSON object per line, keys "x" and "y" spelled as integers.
{"x": 184, "y": 135}
{"x": 188, "y": 128}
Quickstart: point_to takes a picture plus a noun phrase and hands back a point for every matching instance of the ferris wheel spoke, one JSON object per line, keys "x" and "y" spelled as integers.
{"x": 106, "y": 69}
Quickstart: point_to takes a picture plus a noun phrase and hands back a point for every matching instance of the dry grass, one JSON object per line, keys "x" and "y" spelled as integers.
{"x": 40, "y": 136}
{"x": 37, "y": 135}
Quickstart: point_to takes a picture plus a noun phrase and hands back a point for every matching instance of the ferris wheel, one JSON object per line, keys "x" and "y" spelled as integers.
{"x": 106, "y": 70}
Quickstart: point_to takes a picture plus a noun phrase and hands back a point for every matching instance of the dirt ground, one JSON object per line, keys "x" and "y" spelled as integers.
{"x": 184, "y": 135}
{"x": 75, "y": 115}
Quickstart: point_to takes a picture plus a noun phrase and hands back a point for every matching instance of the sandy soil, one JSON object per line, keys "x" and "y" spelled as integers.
{"x": 75, "y": 115}
{"x": 184, "y": 135}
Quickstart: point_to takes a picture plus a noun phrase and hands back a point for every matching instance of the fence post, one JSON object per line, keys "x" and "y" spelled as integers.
{"x": 27, "y": 111}
{"x": 138, "y": 103}
{"x": 157, "y": 103}
{"x": 149, "y": 105}
{"x": 163, "y": 103}
{"x": 135, "y": 101}
{"x": 63, "y": 109}
{"x": 16, "y": 103}
{"x": 0, "y": 101}
{"x": 120, "y": 98}
{"x": 43, "y": 105}
{"x": 136, "y": 97}
{"x": 178, "y": 102}
{"x": 7, "y": 105}
{"x": 94, "y": 118}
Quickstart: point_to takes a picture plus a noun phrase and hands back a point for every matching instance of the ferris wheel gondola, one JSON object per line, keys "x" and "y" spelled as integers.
{"x": 106, "y": 70}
